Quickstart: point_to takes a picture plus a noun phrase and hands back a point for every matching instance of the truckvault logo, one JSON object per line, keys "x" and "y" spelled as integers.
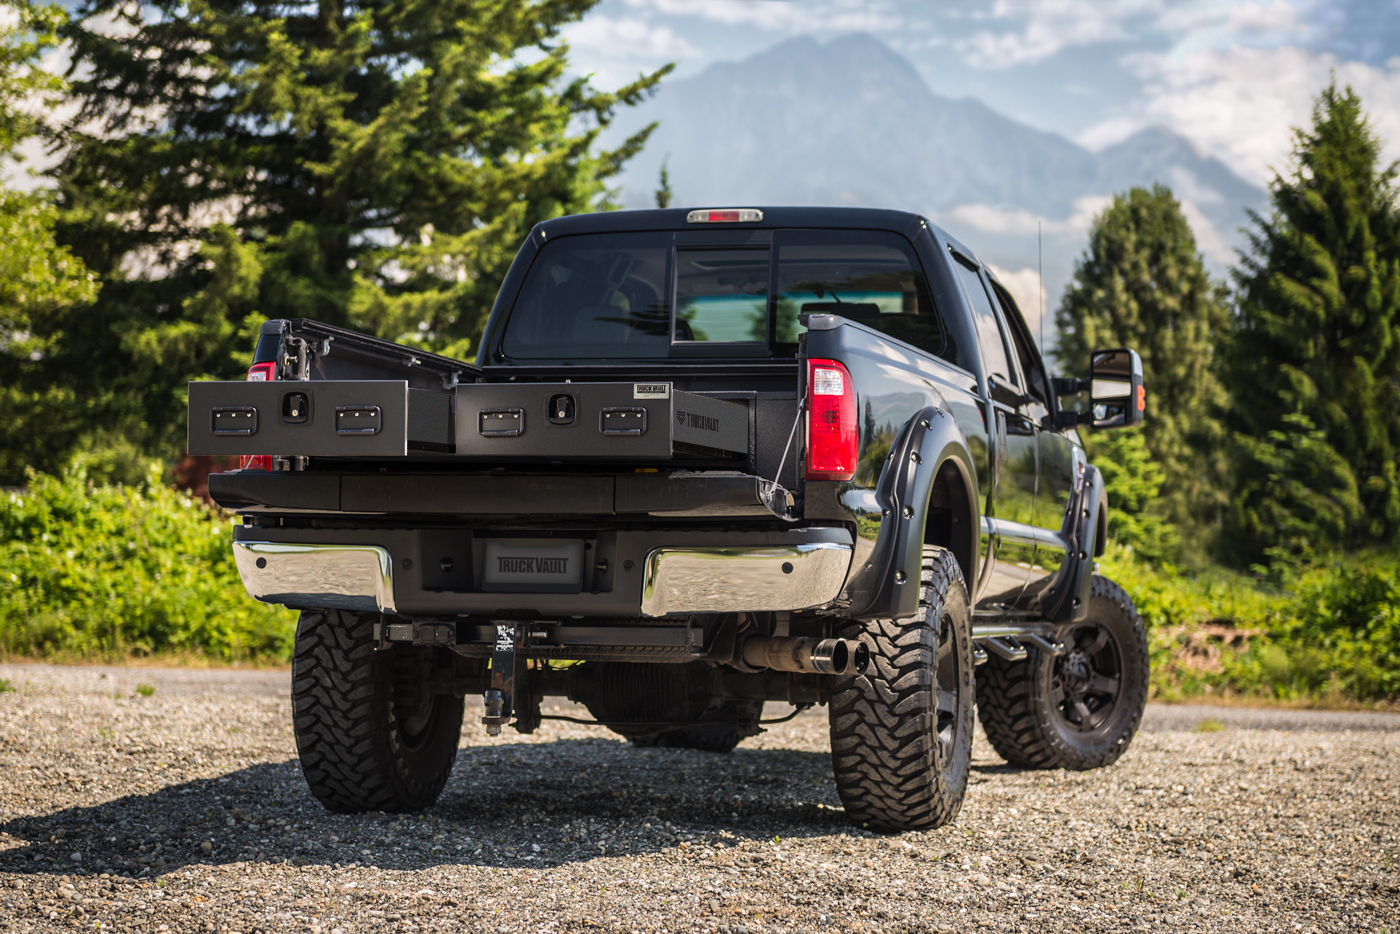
{"x": 508, "y": 565}
{"x": 651, "y": 390}
{"x": 699, "y": 422}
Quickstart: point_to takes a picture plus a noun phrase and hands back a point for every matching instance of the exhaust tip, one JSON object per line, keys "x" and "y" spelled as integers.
{"x": 840, "y": 657}
{"x": 860, "y": 658}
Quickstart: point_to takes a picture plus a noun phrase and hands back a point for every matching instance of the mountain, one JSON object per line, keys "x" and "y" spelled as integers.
{"x": 852, "y": 122}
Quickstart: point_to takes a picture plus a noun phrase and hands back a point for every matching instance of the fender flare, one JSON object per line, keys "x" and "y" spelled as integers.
{"x": 1084, "y": 525}
{"x": 886, "y": 586}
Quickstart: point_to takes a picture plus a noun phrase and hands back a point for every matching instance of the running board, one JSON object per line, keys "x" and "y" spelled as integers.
{"x": 1011, "y": 641}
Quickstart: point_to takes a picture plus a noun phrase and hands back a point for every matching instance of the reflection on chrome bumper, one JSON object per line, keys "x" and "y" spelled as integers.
{"x": 732, "y": 580}
{"x": 336, "y": 577}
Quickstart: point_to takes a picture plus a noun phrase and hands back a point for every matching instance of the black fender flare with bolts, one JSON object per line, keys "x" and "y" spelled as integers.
{"x": 886, "y": 585}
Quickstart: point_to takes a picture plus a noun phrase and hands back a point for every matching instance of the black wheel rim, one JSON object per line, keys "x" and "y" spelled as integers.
{"x": 946, "y": 681}
{"x": 1086, "y": 681}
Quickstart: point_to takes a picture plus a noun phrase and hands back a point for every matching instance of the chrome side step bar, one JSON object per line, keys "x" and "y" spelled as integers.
{"x": 1010, "y": 640}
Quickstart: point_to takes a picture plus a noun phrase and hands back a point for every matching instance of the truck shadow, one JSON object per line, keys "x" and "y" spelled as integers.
{"x": 521, "y": 804}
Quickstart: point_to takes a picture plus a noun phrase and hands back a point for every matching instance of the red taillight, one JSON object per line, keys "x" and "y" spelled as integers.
{"x": 262, "y": 372}
{"x": 259, "y": 373}
{"x": 833, "y": 437}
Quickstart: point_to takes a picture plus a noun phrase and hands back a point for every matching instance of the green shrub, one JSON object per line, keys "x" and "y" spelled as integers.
{"x": 1307, "y": 632}
{"x": 92, "y": 570}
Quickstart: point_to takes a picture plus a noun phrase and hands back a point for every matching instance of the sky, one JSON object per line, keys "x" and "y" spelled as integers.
{"x": 1231, "y": 77}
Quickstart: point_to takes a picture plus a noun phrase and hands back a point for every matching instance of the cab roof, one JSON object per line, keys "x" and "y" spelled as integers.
{"x": 773, "y": 217}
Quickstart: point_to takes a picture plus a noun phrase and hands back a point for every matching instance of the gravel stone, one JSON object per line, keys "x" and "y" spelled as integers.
{"x": 186, "y": 811}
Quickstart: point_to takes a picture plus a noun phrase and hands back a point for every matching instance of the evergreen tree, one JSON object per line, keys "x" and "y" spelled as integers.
{"x": 1315, "y": 370}
{"x": 369, "y": 163}
{"x": 38, "y": 278}
{"x": 663, "y": 190}
{"x": 1142, "y": 284}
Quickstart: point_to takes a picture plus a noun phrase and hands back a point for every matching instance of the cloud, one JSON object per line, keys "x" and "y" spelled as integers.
{"x": 1049, "y": 26}
{"x": 781, "y": 15}
{"x": 1001, "y": 220}
{"x": 1257, "y": 18}
{"x": 1110, "y": 131}
{"x": 628, "y": 39}
{"x": 1240, "y": 104}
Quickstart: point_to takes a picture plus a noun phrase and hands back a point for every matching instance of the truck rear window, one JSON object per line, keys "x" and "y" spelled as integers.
{"x": 641, "y": 295}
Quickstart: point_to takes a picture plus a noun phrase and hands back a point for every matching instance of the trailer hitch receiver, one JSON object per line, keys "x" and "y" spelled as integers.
{"x": 499, "y": 696}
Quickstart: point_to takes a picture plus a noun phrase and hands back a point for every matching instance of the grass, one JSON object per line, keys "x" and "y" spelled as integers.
{"x": 145, "y": 690}
{"x": 1210, "y": 725}
{"x": 6, "y": 687}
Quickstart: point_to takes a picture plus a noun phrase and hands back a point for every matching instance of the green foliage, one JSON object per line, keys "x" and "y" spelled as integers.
{"x": 29, "y": 30}
{"x": 1324, "y": 631}
{"x": 663, "y": 189}
{"x": 38, "y": 278}
{"x": 145, "y": 690}
{"x": 38, "y": 281}
{"x": 368, "y": 164}
{"x": 1315, "y": 361}
{"x": 1294, "y": 493}
{"x": 96, "y": 571}
{"x": 1133, "y": 481}
{"x": 1142, "y": 284}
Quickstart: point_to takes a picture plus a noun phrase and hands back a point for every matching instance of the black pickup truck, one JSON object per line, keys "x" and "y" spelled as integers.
{"x": 705, "y": 460}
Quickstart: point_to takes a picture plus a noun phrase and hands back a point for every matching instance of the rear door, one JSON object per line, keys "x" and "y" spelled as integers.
{"x": 1010, "y": 506}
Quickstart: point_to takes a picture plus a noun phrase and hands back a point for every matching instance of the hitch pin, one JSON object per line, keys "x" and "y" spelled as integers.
{"x": 499, "y": 696}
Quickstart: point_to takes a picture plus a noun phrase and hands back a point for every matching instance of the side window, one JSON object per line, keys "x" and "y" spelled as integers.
{"x": 1030, "y": 363}
{"x": 871, "y": 277}
{"x": 984, "y": 319}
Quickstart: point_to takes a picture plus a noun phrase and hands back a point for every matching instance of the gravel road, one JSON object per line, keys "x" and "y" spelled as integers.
{"x": 185, "y": 811}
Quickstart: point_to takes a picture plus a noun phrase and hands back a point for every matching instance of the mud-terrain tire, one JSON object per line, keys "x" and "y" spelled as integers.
{"x": 1074, "y": 711}
{"x": 901, "y": 732}
{"x": 370, "y": 736}
{"x": 709, "y": 737}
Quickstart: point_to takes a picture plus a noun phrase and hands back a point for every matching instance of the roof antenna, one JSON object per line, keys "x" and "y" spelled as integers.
{"x": 1040, "y": 272}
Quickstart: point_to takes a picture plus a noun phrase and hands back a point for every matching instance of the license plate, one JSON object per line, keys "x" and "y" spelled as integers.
{"x": 530, "y": 567}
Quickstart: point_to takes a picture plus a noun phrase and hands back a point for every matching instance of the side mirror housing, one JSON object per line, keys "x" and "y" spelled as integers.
{"x": 1118, "y": 398}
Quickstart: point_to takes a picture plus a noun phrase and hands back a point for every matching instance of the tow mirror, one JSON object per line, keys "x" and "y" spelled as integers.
{"x": 1118, "y": 398}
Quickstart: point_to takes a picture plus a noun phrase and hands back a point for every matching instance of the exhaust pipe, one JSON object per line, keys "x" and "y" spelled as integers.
{"x": 806, "y": 655}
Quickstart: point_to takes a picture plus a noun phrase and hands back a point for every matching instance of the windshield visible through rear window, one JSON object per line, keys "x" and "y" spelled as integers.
{"x": 604, "y": 296}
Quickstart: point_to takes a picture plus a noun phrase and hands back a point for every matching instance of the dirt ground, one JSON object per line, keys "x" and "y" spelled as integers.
{"x": 183, "y": 809}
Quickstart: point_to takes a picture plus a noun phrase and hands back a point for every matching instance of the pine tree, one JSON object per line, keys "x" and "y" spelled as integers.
{"x": 1315, "y": 370}
{"x": 1142, "y": 284}
{"x": 368, "y": 163}
{"x": 663, "y": 190}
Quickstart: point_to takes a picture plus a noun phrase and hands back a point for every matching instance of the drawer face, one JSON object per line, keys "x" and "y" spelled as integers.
{"x": 330, "y": 418}
{"x": 567, "y": 421}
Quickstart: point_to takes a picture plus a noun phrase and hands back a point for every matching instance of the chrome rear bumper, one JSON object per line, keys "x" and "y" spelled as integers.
{"x": 337, "y": 577}
{"x": 735, "y": 580}
{"x": 675, "y": 579}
